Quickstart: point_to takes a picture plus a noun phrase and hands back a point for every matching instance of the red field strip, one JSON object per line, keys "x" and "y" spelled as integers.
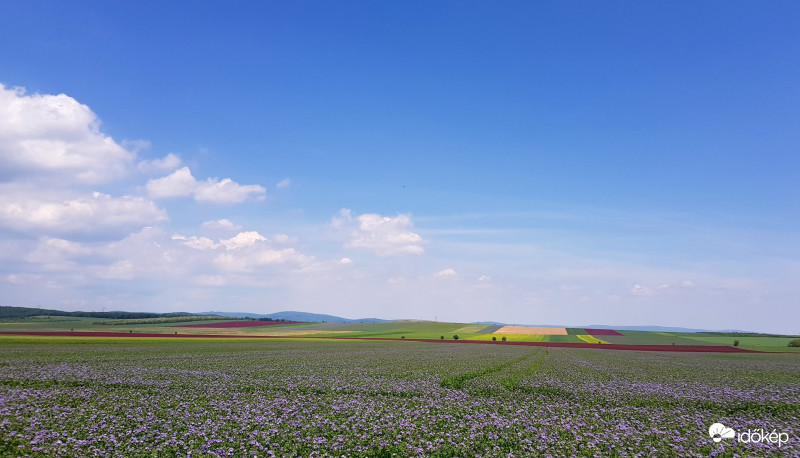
{"x": 602, "y": 332}
{"x": 235, "y": 324}
{"x": 671, "y": 348}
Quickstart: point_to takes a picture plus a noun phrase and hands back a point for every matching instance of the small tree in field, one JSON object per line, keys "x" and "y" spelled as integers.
{"x": 441, "y": 337}
{"x": 455, "y": 337}
{"x": 494, "y": 339}
{"x": 795, "y": 343}
{"x": 504, "y": 338}
{"x": 736, "y": 343}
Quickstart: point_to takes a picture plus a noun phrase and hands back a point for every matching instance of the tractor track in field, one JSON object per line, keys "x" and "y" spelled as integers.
{"x": 660, "y": 348}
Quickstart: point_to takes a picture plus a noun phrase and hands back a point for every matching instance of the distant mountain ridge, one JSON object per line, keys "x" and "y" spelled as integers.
{"x": 298, "y": 316}
{"x": 23, "y": 312}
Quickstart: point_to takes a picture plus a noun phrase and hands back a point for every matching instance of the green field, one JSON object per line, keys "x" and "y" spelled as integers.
{"x": 752, "y": 343}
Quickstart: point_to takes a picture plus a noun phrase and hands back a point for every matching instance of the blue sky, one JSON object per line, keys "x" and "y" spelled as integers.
{"x": 546, "y": 163}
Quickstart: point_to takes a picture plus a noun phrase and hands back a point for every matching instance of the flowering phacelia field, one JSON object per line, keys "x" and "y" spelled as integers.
{"x": 217, "y": 397}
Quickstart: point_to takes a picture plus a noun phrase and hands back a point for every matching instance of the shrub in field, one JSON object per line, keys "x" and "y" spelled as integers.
{"x": 441, "y": 337}
{"x": 735, "y": 343}
{"x": 494, "y": 339}
{"x": 455, "y": 337}
{"x": 795, "y": 343}
{"x": 402, "y": 337}
{"x": 504, "y": 338}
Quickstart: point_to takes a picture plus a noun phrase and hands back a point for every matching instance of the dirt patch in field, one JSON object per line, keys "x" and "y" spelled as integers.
{"x": 513, "y": 330}
{"x": 304, "y": 332}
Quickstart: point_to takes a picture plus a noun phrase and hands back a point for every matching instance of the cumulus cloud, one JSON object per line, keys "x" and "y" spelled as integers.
{"x": 382, "y": 235}
{"x": 248, "y": 260}
{"x": 285, "y": 183}
{"x": 445, "y": 274}
{"x": 56, "y": 135}
{"x": 181, "y": 183}
{"x": 166, "y": 164}
{"x": 243, "y": 239}
{"x": 57, "y": 254}
{"x": 86, "y": 214}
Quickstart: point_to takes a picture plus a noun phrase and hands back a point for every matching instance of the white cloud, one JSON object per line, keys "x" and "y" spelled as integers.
{"x": 445, "y": 274}
{"x": 225, "y": 191}
{"x": 248, "y": 260}
{"x": 167, "y": 163}
{"x": 382, "y": 235}
{"x": 345, "y": 261}
{"x": 56, "y": 135}
{"x": 198, "y": 243}
{"x": 639, "y": 290}
{"x": 181, "y": 183}
{"x": 96, "y": 213}
{"x": 55, "y": 254}
{"x": 285, "y": 183}
{"x": 177, "y": 184}
{"x": 221, "y": 224}
{"x": 243, "y": 239}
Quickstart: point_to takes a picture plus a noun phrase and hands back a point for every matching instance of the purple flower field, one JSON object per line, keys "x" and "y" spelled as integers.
{"x": 160, "y": 397}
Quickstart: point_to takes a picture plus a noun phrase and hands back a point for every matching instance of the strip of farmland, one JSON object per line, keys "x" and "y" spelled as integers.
{"x": 236, "y": 324}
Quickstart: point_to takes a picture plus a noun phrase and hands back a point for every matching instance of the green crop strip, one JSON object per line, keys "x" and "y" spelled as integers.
{"x": 512, "y": 383}
{"x": 457, "y": 381}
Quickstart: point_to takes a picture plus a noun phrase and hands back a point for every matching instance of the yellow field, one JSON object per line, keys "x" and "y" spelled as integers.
{"x": 590, "y": 339}
{"x": 513, "y": 330}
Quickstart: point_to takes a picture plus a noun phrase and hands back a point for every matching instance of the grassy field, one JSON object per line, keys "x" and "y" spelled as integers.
{"x": 752, "y": 343}
{"x": 236, "y": 397}
{"x": 409, "y": 329}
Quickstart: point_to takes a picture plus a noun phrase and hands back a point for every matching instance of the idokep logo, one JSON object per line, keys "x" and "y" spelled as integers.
{"x": 718, "y": 431}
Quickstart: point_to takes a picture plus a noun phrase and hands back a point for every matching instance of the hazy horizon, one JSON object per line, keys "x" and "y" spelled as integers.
{"x": 616, "y": 163}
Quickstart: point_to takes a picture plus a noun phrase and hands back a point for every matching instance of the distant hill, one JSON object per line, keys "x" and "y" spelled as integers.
{"x": 25, "y": 312}
{"x": 299, "y": 316}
